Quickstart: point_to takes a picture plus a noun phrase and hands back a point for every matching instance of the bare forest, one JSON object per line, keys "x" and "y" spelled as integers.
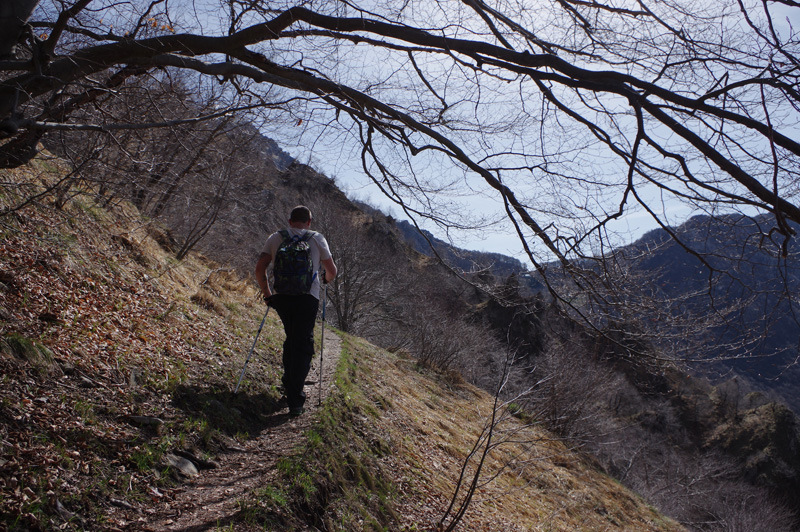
{"x": 571, "y": 118}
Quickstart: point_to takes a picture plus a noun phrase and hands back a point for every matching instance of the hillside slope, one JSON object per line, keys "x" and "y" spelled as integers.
{"x": 117, "y": 360}
{"x": 747, "y": 266}
{"x": 395, "y": 438}
{"x": 114, "y": 356}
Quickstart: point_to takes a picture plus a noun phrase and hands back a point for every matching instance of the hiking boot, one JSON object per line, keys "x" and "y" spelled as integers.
{"x": 296, "y": 410}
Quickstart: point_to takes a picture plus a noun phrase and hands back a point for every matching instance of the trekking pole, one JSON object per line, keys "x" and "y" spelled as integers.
{"x": 322, "y": 341}
{"x": 251, "y": 351}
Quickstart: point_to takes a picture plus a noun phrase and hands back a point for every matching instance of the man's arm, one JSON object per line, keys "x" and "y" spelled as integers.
{"x": 330, "y": 269}
{"x": 261, "y": 274}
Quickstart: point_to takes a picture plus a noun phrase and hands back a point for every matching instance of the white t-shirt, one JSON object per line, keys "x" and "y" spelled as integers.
{"x": 317, "y": 244}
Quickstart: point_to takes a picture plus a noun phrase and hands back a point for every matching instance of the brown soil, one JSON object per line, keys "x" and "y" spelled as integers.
{"x": 211, "y": 499}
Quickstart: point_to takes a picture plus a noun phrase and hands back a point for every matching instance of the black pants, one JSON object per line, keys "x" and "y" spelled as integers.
{"x": 298, "y": 314}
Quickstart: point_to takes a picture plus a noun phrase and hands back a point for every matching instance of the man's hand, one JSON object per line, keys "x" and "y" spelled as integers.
{"x": 266, "y": 293}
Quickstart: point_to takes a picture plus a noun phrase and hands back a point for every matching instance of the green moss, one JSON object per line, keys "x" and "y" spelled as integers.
{"x": 146, "y": 456}
{"x": 37, "y": 355}
{"x": 96, "y": 212}
{"x": 520, "y": 413}
{"x": 86, "y": 412}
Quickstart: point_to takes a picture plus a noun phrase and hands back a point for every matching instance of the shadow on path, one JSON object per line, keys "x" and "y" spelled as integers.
{"x": 230, "y": 414}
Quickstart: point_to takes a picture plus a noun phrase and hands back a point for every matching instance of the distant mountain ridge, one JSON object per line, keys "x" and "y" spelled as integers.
{"x": 746, "y": 253}
{"x": 748, "y": 267}
{"x": 266, "y": 147}
{"x": 466, "y": 260}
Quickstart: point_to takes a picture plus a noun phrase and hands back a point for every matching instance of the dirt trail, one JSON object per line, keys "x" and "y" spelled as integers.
{"x": 210, "y": 499}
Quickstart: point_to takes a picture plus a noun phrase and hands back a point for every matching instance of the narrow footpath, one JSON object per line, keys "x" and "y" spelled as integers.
{"x": 209, "y": 500}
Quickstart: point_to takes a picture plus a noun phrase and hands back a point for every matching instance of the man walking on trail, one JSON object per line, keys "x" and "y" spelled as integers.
{"x": 296, "y": 254}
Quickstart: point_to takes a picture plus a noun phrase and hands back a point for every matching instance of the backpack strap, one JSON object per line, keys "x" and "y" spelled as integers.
{"x": 305, "y": 238}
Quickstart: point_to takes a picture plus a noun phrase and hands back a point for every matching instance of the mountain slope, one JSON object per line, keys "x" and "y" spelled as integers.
{"x": 400, "y": 434}
{"x": 463, "y": 259}
{"x": 744, "y": 264}
{"x": 116, "y": 359}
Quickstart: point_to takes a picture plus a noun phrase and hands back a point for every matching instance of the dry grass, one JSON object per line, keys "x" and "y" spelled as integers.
{"x": 530, "y": 481}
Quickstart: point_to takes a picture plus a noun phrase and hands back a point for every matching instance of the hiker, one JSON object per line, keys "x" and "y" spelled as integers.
{"x": 291, "y": 252}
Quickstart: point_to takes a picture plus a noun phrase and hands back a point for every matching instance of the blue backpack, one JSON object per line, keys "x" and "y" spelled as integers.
{"x": 294, "y": 270}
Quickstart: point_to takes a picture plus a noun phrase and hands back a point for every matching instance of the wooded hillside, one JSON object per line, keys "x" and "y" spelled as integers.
{"x": 101, "y": 319}
{"x": 118, "y": 360}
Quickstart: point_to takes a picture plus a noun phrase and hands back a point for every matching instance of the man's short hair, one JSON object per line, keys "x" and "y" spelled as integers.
{"x": 301, "y": 213}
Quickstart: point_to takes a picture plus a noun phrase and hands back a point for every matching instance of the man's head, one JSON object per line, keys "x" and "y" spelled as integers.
{"x": 300, "y": 216}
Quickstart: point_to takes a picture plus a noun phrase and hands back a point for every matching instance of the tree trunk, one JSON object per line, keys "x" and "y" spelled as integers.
{"x": 14, "y": 14}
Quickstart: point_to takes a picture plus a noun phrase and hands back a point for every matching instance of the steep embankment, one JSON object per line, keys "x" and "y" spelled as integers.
{"x": 389, "y": 453}
{"x": 118, "y": 361}
{"x": 114, "y": 358}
